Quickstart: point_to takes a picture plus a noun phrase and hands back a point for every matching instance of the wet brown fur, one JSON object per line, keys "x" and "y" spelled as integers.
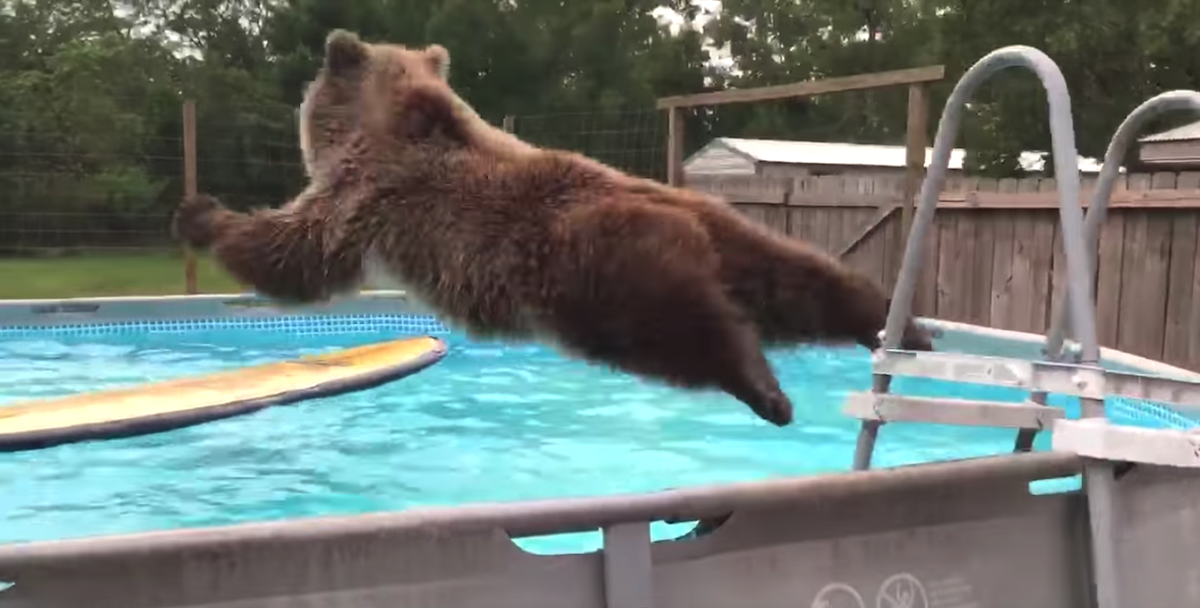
{"x": 513, "y": 242}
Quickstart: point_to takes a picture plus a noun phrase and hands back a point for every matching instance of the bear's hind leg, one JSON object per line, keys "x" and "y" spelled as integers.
{"x": 637, "y": 288}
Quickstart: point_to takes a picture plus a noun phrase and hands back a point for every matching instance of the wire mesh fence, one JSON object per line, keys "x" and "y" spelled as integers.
{"x": 632, "y": 140}
{"x": 58, "y": 194}
{"x": 66, "y": 191}
{"x": 86, "y": 199}
{"x": 85, "y": 206}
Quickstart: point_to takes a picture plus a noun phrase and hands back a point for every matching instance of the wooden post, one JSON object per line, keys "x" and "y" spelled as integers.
{"x": 189, "y": 187}
{"x": 510, "y": 124}
{"x": 675, "y": 146}
{"x": 916, "y": 140}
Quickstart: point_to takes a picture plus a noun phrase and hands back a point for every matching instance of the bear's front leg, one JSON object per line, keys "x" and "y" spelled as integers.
{"x": 292, "y": 256}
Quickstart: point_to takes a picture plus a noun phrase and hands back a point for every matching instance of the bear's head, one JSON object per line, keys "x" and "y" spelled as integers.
{"x": 375, "y": 89}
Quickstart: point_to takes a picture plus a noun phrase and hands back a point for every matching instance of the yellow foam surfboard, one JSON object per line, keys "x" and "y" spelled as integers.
{"x": 162, "y": 406}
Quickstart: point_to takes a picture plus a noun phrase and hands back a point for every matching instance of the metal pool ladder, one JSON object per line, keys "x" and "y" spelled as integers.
{"x": 1106, "y": 447}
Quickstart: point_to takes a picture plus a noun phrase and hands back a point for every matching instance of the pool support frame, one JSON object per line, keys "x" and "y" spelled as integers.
{"x": 1083, "y": 377}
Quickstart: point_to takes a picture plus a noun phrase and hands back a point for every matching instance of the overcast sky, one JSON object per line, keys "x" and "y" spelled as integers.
{"x": 709, "y": 8}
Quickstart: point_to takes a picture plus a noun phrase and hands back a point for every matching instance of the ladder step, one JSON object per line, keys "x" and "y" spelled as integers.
{"x": 1065, "y": 378}
{"x": 1061, "y": 378}
{"x": 1098, "y": 438}
{"x": 888, "y": 407}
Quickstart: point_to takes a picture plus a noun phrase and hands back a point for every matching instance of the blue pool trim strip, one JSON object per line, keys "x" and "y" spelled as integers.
{"x": 158, "y": 423}
{"x": 300, "y": 325}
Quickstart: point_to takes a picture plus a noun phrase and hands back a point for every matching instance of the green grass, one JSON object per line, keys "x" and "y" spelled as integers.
{"x": 94, "y": 274}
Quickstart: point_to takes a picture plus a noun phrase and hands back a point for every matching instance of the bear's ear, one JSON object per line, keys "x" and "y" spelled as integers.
{"x": 439, "y": 58}
{"x": 343, "y": 50}
{"x": 428, "y": 112}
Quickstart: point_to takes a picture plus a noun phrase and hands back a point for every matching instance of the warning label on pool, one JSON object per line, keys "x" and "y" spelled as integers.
{"x": 902, "y": 590}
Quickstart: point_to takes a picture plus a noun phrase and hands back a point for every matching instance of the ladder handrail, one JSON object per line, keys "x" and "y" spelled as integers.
{"x": 1095, "y": 215}
{"x": 1098, "y": 206}
{"x": 1066, "y": 163}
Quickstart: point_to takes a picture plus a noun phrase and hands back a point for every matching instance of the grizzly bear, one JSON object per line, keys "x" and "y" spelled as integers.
{"x": 509, "y": 241}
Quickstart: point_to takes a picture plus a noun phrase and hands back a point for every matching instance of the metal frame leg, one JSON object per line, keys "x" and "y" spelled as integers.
{"x": 1099, "y": 477}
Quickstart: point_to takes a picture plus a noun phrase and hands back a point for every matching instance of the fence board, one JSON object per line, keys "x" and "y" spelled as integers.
{"x": 1000, "y": 292}
{"x": 949, "y": 275}
{"x": 964, "y": 265}
{"x": 925, "y": 294}
{"x": 751, "y": 211}
{"x": 1004, "y": 250}
{"x": 776, "y": 218}
{"x": 1193, "y": 323}
{"x": 1162, "y": 180}
{"x": 1047, "y": 223}
{"x": 866, "y": 256}
{"x": 1188, "y": 307}
{"x": 798, "y": 222}
{"x": 981, "y": 272}
{"x": 1043, "y": 270}
{"x": 820, "y": 226}
{"x": 1153, "y": 284}
{"x": 1110, "y": 265}
{"x": 888, "y": 247}
{"x": 890, "y": 241}
{"x": 1129, "y": 328}
{"x": 1134, "y": 260}
{"x": 1009, "y": 185}
{"x": 1022, "y": 304}
{"x": 1179, "y": 295}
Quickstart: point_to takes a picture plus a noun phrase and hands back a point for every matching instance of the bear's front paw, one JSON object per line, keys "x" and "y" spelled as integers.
{"x": 193, "y": 222}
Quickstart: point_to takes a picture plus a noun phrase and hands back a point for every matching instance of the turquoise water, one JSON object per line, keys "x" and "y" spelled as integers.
{"x": 488, "y": 423}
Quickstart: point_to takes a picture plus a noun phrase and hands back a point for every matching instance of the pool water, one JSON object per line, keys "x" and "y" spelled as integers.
{"x": 488, "y": 423}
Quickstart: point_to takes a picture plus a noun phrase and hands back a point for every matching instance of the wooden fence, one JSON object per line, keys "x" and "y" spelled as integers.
{"x": 994, "y": 255}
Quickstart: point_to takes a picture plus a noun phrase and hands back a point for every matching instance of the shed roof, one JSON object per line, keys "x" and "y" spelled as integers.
{"x": 871, "y": 155}
{"x": 1180, "y": 133}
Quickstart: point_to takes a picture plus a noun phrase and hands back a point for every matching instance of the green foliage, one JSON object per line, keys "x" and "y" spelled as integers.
{"x": 91, "y": 90}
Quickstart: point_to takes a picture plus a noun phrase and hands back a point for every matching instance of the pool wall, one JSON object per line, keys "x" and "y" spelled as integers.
{"x": 955, "y": 534}
{"x": 945, "y": 535}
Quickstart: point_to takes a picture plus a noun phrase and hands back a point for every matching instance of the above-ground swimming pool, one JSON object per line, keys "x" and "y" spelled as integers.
{"x": 490, "y": 422}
